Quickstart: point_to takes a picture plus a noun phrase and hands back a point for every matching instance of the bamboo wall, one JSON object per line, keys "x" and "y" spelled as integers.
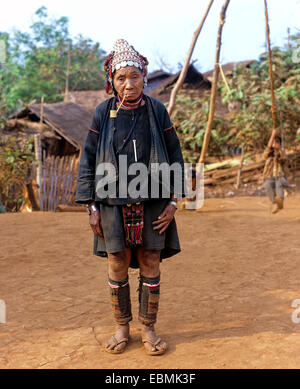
{"x": 57, "y": 181}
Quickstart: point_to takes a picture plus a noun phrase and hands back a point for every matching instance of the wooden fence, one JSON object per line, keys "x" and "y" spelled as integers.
{"x": 57, "y": 181}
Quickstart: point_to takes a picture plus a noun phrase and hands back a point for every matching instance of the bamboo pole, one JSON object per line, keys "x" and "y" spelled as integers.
{"x": 213, "y": 95}
{"x": 224, "y": 78}
{"x": 185, "y": 67}
{"x": 38, "y": 157}
{"x": 44, "y": 187}
{"x": 42, "y": 110}
{"x": 273, "y": 109}
{"x": 66, "y": 98}
{"x": 281, "y": 130}
{"x": 58, "y": 182}
{"x": 238, "y": 179}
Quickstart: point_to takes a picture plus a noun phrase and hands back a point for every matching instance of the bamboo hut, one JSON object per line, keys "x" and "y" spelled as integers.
{"x": 59, "y": 132}
{"x": 62, "y": 127}
{"x": 194, "y": 81}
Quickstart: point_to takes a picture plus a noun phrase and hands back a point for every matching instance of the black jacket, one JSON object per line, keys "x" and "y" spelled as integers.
{"x": 98, "y": 149}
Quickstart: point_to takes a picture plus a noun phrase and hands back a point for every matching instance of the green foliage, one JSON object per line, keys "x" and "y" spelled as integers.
{"x": 190, "y": 119}
{"x": 15, "y": 165}
{"x": 250, "y": 125}
{"x": 37, "y": 63}
{"x": 248, "y": 122}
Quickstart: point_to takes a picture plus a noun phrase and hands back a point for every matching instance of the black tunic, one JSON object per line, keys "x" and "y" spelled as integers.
{"x": 141, "y": 134}
{"x": 111, "y": 214}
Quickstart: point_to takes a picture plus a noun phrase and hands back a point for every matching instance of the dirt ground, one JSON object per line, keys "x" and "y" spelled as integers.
{"x": 226, "y": 299}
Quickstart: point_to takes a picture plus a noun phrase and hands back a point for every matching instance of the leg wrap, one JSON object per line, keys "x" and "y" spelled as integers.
{"x": 120, "y": 300}
{"x": 148, "y": 299}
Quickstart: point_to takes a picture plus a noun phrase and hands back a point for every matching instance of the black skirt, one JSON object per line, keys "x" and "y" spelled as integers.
{"x": 113, "y": 239}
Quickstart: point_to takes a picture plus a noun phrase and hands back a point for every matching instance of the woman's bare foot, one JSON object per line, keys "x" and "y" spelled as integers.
{"x": 152, "y": 343}
{"x": 118, "y": 342}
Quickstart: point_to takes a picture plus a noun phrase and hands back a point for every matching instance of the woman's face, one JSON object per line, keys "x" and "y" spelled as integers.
{"x": 129, "y": 82}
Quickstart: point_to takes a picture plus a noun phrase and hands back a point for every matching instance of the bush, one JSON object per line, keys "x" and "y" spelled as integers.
{"x": 16, "y": 162}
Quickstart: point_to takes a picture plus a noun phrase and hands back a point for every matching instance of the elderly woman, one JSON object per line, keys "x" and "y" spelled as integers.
{"x": 135, "y": 229}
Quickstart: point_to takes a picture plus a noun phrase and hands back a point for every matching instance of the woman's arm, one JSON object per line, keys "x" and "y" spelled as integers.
{"x": 175, "y": 156}
{"x": 85, "y": 192}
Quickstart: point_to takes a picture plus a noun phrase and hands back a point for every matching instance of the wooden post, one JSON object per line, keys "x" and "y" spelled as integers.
{"x": 66, "y": 98}
{"x": 238, "y": 180}
{"x": 185, "y": 67}
{"x": 273, "y": 109}
{"x": 38, "y": 158}
{"x": 42, "y": 110}
{"x": 213, "y": 94}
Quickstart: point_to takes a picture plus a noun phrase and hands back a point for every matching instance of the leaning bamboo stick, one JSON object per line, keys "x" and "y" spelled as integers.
{"x": 38, "y": 157}
{"x": 274, "y": 109}
{"x": 185, "y": 67}
{"x": 213, "y": 95}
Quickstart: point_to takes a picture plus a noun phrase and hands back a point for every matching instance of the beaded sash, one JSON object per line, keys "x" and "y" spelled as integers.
{"x": 133, "y": 216}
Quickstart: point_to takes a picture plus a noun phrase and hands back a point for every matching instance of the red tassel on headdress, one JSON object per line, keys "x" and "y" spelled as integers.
{"x": 108, "y": 87}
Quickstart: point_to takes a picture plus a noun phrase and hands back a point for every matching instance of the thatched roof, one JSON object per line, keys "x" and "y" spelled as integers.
{"x": 158, "y": 87}
{"x": 228, "y": 67}
{"x": 88, "y": 99}
{"x": 155, "y": 78}
{"x": 69, "y": 120}
{"x": 157, "y": 74}
{"x": 193, "y": 80}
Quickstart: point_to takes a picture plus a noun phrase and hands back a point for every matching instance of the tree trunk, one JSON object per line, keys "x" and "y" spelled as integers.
{"x": 185, "y": 67}
{"x": 213, "y": 94}
{"x": 38, "y": 158}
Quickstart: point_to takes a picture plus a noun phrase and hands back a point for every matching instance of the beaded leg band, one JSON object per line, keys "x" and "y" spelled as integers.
{"x": 120, "y": 300}
{"x": 149, "y": 289}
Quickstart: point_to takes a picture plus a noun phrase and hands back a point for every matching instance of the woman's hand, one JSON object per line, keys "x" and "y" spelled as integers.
{"x": 164, "y": 219}
{"x": 95, "y": 223}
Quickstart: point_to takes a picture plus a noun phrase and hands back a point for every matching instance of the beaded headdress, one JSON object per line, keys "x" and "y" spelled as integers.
{"x": 123, "y": 55}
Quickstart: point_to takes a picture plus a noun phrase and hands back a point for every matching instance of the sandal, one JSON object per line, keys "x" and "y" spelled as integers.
{"x": 154, "y": 344}
{"x": 115, "y": 344}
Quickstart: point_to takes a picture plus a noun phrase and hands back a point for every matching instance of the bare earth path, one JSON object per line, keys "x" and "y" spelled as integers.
{"x": 225, "y": 303}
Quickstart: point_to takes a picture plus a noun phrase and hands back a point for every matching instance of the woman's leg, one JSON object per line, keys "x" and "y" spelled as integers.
{"x": 149, "y": 290}
{"x": 118, "y": 264}
{"x": 280, "y": 183}
{"x": 269, "y": 185}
